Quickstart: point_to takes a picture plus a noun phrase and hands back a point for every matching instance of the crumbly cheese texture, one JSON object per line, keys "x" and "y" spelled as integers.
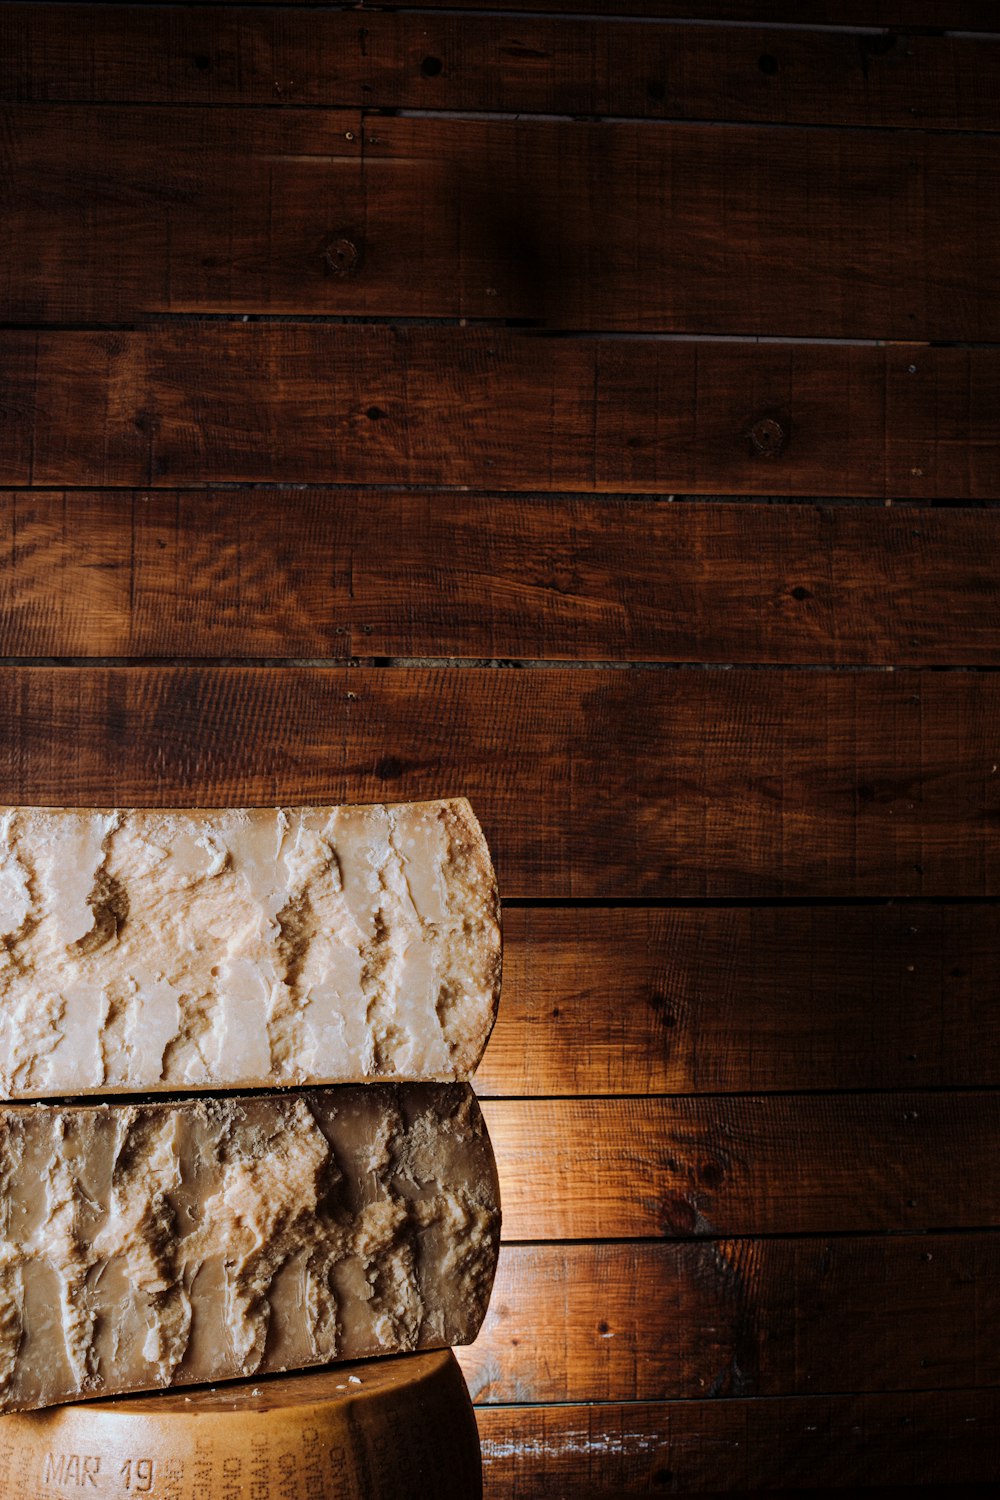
{"x": 145, "y": 1246}
{"x": 144, "y": 950}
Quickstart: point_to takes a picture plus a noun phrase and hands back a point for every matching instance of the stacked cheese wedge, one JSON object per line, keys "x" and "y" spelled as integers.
{"x": 341, "y": 963}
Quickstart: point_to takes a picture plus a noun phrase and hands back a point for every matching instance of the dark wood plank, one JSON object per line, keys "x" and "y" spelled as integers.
{"x": 584, "y": 1169}
{"x": 238, "y": 214}
{"x": 646, "y": 1322}
{"x": 961, "y": 15}
{"x": 684, "y": 228}
{"x": 806, "y": 233}
{"x": 224, "y": 574}
{"x": 942, "y": 442}
{"x": 311, "y": 574}
{"x": 590, "y": 783}
{"x": 659, "y": 582}
{"x": 702, "y": 1000}
{"x": 470, "y": 407}
{"x": 909, "y": 1438}
{"x": 212, "y": 54}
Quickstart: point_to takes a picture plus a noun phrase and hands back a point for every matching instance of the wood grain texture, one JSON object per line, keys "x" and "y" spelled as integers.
{"x": 592, "y": 1169}
{"x": 342, "y": 573}
{"x": 221, "y": 574}
{"x": 904, "y": 1438}
{"x": 214, "y": 54}
{"x": 962, "y": 15}
{"x": 701, "y": 230}
{"x": 701, "y": 1001}
{"x": 238, "y": 215}
{"x": 590, "y": 783}
{"x": 737, "y": 1318}
{"x": 199, "y": 404}
{"x": 684, "y": 228}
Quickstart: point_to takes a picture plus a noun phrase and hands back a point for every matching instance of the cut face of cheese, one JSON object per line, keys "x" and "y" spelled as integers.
{"x": 153, "y": 1245}
{"x": 144, "y": 950}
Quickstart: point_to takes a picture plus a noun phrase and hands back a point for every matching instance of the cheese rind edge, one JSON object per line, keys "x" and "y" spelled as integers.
{"x": 378, "y": 1430}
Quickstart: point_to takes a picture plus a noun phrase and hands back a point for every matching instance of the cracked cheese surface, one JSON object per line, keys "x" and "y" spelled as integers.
{"x": 145, "y": 1246}
{"x": 144, "y": 950}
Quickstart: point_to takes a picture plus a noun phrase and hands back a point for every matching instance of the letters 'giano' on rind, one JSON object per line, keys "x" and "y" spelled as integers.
{"x": 236, "y": 948}
{"x": 144, "y": 1246}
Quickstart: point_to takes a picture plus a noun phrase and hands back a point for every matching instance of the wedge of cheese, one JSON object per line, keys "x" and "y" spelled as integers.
{"x": 144, "y": 950}
{"x": 153, "y": 1245}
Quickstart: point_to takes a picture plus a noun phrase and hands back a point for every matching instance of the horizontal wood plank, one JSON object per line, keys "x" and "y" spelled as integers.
{"x": 643, "y": 1322}
{"x": 579, "y": 1169}
{"x": 700, "y": 230}
{"x": 239, "y": 214}
{"x": 684, "y": 228}
{"x": 746, "y": 999}
{"x": 195, "y": 405}
{"x": 593, "y": 783}
{"x": 336, "y": 574}
{"x": 962, "y": 15}
{"x": 908, "y": 1438}
{"x": 224, "y": 574}
{"x": 958, "y": 15}
{"x": 214, "y": 54}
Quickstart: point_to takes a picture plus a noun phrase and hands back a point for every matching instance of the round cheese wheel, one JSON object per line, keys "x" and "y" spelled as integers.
{"x": 384, "y": 1429}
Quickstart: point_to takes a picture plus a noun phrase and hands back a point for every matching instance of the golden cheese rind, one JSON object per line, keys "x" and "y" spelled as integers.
{"x": 373, "y": 1431}
{"x": 173, "y": 950}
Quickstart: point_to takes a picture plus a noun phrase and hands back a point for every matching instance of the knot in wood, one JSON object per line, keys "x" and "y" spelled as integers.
{"x": 768, "y": 436}
{"x": 341, "y": 255}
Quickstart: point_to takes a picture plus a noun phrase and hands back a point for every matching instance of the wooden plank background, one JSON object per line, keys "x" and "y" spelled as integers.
{"x": 753, "y": 1318}
{"x": 798, "y": 232}
{"x": 340, "y": 575}
{"x": 629, "y": 785}
{"x": 595, "y": 416}
{"x": 208, "y": 54}
{"x": 193, "y": 403}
